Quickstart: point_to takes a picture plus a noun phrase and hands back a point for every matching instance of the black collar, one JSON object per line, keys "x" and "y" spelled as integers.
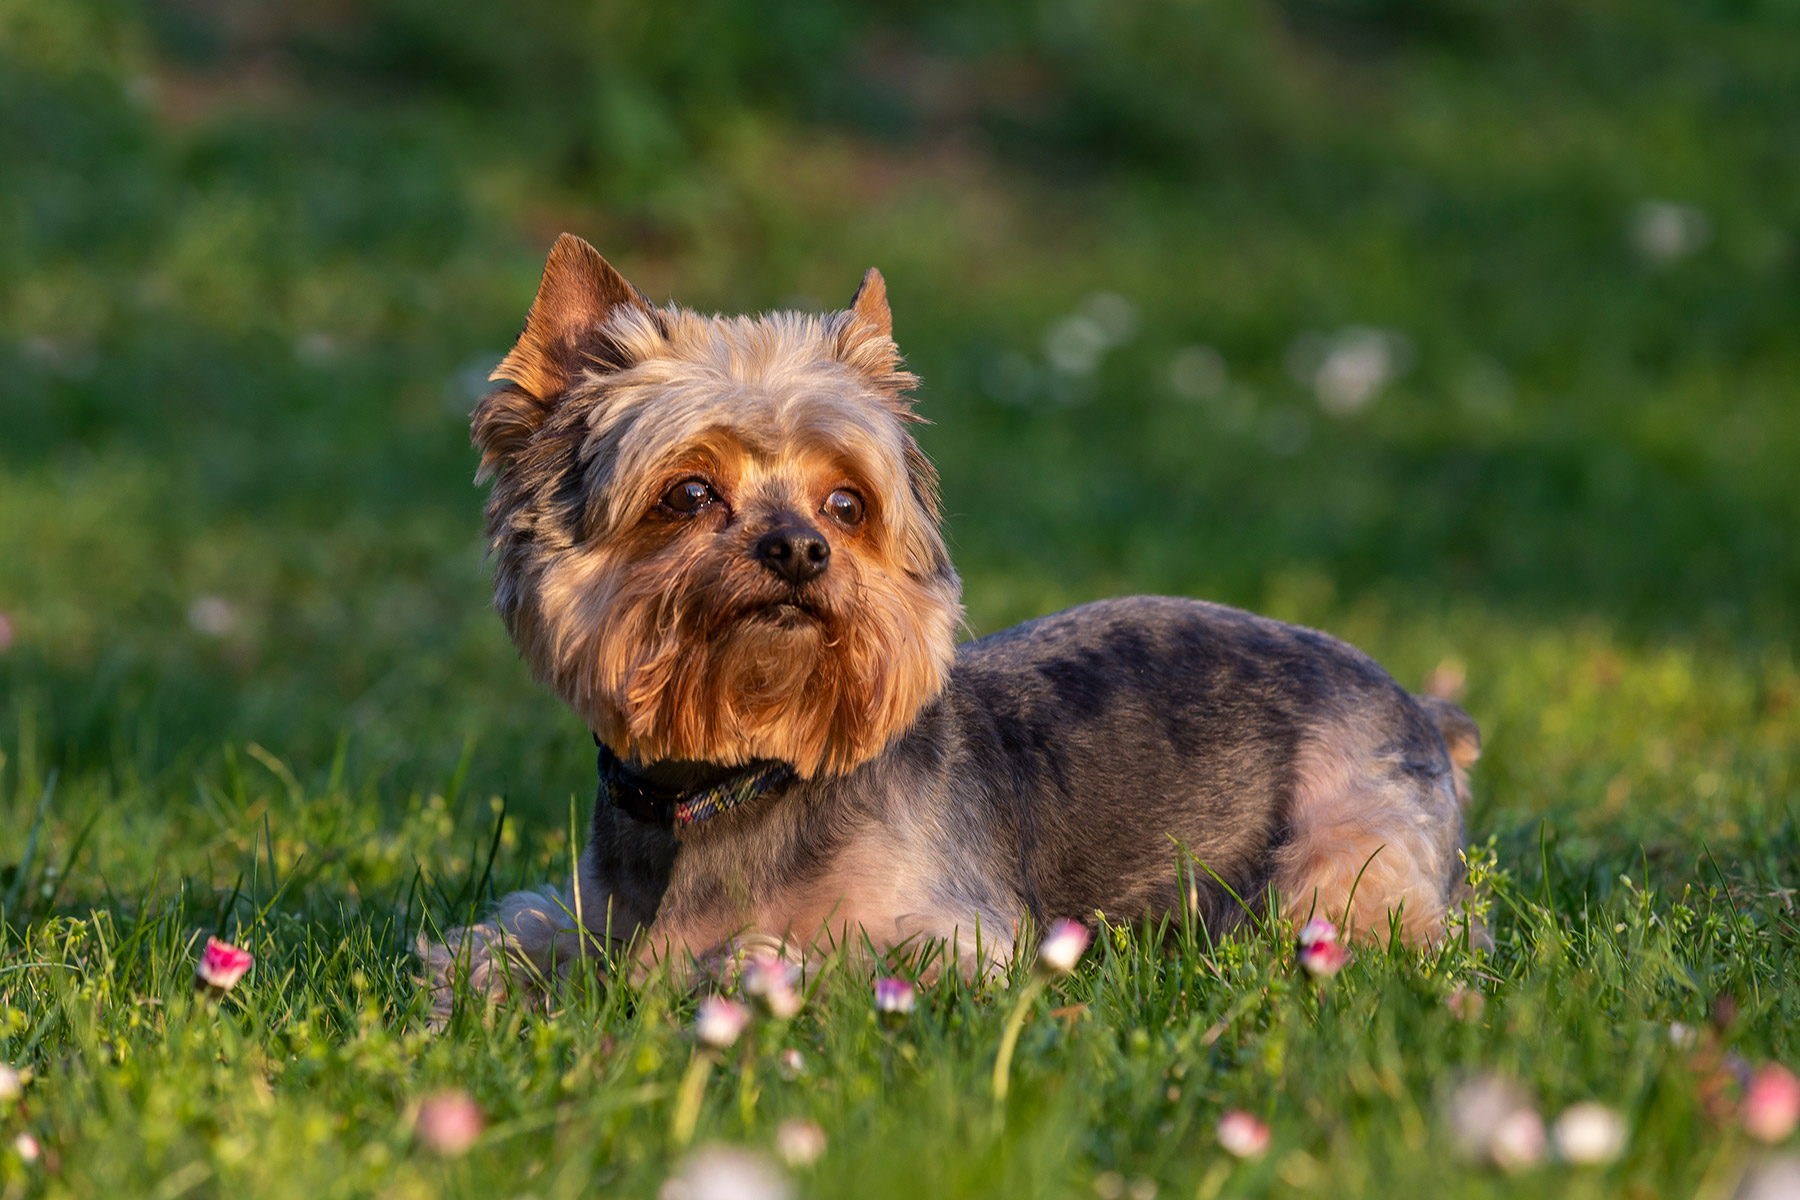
{"x": 639, "y": 798}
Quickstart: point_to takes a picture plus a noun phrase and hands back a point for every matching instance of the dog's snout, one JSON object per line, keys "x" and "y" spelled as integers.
{"x": 795, "y": 552}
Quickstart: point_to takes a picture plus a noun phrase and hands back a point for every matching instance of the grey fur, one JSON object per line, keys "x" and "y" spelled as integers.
{"x": 1129, "y": 758}
{"x": 1056, "y": 776}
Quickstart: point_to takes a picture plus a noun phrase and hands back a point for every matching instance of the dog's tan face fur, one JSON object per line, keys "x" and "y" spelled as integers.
{"x": 631, "y": 501}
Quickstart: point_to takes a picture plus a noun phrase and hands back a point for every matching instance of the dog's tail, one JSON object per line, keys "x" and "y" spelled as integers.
{"x": 1462, "y": 738}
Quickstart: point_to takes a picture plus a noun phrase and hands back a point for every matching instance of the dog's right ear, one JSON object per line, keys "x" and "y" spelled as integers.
{"x": 562, "y": 336}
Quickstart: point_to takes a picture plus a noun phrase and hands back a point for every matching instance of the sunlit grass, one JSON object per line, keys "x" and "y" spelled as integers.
{"x": 254, "y": 266}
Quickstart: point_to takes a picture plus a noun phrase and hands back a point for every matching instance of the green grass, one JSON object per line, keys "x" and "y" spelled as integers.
{"x": 252, "y": 258}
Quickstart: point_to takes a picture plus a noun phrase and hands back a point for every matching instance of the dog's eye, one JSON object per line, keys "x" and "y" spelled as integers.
{"x": 689, "y": 496}
{"x": 845, "y": 507}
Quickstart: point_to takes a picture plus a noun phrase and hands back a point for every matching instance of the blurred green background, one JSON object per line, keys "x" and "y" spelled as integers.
{"x": 1462, "y": 328}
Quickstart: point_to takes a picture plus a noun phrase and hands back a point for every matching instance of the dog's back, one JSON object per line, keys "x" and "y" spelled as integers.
{"x": 1149, "y": 753}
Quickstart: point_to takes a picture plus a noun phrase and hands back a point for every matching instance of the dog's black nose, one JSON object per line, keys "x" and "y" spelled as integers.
{"x": 795, "y": 552}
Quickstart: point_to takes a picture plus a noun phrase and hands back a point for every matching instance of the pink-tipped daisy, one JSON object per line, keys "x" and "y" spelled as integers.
{"x": 719, "y": 1020}
{"x": 1316, "y": 931}
{"x": 1242, "y": 1135}
{"x": 771, "y": 978}
{"x": 799, "y": 1143}
{"x": 449, "y": 1122}
{"x": 727, "y": 1173}
{"x": 1465, "y": 1003}
{"x": 1491, "y": 1118}
{"x": 221, "y": 966}
{"x": 1324, "y": 959}
{"x": 894, "y": 999}
{"x": 1063, "y": 948}
{"x": 1772, "y": 1103}
{"x": 1588, "y": 1134}
{"x": 1518, "y": 1141}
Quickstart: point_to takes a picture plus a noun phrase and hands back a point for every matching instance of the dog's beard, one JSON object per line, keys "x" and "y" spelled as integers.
{"x": 716, "y": 663}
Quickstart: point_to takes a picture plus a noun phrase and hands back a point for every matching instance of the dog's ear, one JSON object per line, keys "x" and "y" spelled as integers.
{"x": 871, "y": 303}
{"x": 579, "y": 291}
{"x": 865, "y": 343}
{"x": 562, "y": 336}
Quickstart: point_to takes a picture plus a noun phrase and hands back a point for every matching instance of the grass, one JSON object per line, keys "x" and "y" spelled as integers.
{"x": 253, "y": 261}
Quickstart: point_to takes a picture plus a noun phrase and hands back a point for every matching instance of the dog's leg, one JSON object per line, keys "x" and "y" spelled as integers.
{"x": 536, "y": 938}
{"x": 1375, "y": 833}
{"x": 532, "y": 940}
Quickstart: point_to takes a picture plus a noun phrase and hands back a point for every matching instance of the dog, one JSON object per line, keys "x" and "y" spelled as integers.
{"x": 717, "y": 541}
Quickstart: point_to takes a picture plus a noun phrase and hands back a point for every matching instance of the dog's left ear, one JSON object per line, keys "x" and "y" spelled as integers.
{"x": 871, "y": 303}
{"x": 579, "y": 291}
{"x": 562, "y": 337}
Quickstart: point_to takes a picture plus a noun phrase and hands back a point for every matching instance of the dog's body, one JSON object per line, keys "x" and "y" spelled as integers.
{"x": 1131, "y": 758}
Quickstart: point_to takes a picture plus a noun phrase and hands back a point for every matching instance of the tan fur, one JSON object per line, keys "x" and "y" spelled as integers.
{"x": 775, "y": 413}
{"x": 878, "y": 887}
{"x": 579, "y": 290}
{"x": 871, "y": 303}
{"x": 1362, "y": 848}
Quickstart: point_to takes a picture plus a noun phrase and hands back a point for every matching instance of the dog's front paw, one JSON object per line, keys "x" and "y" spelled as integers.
{"x": 521, "y": 953}
{"x": 473, "y": 962}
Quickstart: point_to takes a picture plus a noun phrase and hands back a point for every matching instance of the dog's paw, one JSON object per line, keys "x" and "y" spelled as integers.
{"x": 520, "y": 953}
{"x": 476, "y": 964}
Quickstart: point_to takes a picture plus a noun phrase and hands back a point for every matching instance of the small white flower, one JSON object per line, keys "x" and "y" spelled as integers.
{"x": 1491, "y": 1119}
{"x": 1198, "y": 373}
{"x": 719, "y": 1020}
{"x": 1348, "y": 370}
{"x": 1116, "y": 315}
{"x": 1682, "y": 1037}
{"x": 11, "y": 1086}
{"x": 1075, "y": 344}
{"x": 1518, "y": 1140}
{"x": 1589, "y": 1133}
{"x": 1776, "y": 1179}
{"x": 1663, "y": 231}
{"x": 799, "y": 1143}
{"x": 27, "y": 1147}
{"x": 1242, "y": 1135}
{"x": 212, "y": 615}
{"x": 317, "y": 349}
{"x": 1063, "y": 948}
{"x": 792, "y": 1064}
{"x": 726, "y": 1173}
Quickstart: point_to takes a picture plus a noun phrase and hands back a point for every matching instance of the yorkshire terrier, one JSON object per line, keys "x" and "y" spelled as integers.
{"x": 715, "y": 538}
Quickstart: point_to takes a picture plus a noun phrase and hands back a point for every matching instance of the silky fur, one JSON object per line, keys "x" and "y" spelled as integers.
{"x": 1127, "y": 758}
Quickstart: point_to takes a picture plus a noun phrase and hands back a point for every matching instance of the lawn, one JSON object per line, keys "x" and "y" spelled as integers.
{"x": 1461, "y": 330}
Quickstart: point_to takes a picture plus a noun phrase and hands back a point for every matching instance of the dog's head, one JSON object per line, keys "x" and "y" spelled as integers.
{"x": 714, "y": 536}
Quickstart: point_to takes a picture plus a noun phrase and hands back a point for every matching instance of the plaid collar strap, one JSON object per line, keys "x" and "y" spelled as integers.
{"x": 642, "y": 800}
